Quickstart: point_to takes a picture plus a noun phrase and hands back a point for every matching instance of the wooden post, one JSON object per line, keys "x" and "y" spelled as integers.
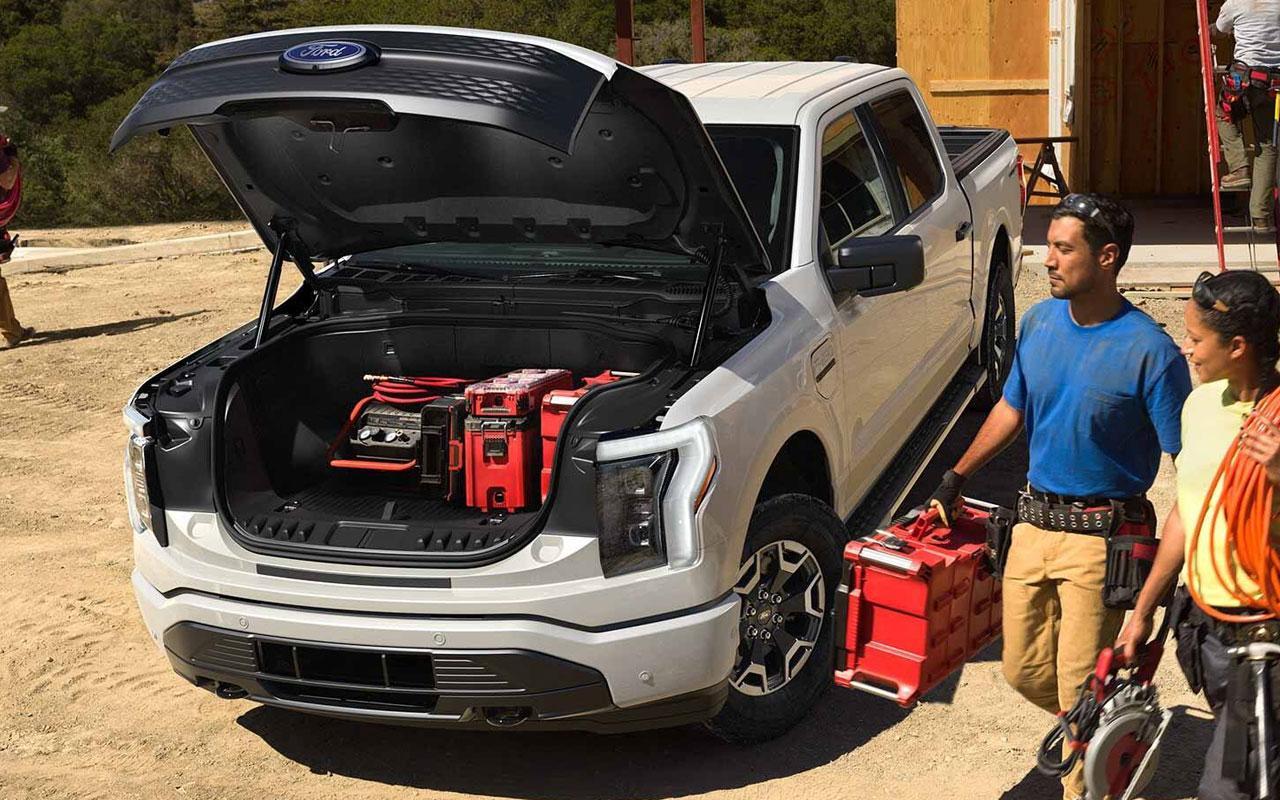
{"x": 1117, "y": 135}
{"x": 625, "y": 14}
{"x": 1160, "y": 97}
{"x": 697, "y": 24}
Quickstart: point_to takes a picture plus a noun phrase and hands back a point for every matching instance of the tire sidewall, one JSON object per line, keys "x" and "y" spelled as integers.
{"x": 811, "y": 523}
{"x": 999, "y": 288}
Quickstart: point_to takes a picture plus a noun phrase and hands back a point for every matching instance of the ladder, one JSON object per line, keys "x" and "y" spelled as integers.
{"x": 1208, "y": 75}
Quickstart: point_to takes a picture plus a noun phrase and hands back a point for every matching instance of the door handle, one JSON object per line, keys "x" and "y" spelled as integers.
{"x": 963, "y": 231}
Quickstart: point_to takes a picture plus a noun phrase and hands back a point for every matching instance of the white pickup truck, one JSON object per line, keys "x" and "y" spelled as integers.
{"x": 803, "y": 280}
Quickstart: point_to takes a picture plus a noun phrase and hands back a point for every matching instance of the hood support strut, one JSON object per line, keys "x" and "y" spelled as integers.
{"x": 273, "y": 283}
{"x": 708, "y": 299}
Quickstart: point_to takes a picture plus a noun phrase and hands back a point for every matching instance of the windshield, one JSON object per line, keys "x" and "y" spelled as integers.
{"x": 760, "y": 160}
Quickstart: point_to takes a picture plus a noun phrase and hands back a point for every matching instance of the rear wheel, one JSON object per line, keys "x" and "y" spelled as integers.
{"x": 787, "y": 584}
{"x": 999, "y": 332}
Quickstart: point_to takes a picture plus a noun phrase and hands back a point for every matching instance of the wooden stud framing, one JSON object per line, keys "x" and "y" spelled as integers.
{"x": 1160, "y": 96}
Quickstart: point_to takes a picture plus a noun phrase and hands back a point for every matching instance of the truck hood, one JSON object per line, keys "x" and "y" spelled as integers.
{"x": 366, "y": 137}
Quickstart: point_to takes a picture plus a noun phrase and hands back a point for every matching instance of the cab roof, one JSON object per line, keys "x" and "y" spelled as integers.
{"x": 760, "y": 92}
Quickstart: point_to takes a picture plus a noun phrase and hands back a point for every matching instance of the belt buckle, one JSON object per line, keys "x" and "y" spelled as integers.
{"x": 1268, "y": 631}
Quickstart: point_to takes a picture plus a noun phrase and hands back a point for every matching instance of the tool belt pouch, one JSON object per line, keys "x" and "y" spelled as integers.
{"x": 1188, "y": 635}
{"x": 1131, "y": 552}
{"x": 999, "y": 538}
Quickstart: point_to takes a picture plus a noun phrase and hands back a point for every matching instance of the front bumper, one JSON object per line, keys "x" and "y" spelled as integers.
{"x": 545, "y": 675}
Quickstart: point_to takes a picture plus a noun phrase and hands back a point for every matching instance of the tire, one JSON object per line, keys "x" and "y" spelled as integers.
{"x": 999, "y": 334}
{"x": 764, "y": 700}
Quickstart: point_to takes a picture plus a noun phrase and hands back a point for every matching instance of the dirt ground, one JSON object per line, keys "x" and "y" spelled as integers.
{"x": 89, "y": 707}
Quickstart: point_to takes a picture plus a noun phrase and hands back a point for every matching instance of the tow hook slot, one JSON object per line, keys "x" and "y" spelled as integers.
{"x": 229, "y": 691}
{"x": 507, "y": 716}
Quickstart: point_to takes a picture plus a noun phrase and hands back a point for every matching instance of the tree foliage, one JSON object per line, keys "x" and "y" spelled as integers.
{"x": 70, "y": 70}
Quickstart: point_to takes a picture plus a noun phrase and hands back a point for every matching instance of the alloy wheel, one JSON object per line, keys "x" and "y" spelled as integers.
{"x": 784, "y": 601}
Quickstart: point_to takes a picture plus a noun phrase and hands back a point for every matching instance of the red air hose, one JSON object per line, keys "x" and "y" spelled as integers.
{"x": 412, "y": 391}
{"x": 1245, "y": 504}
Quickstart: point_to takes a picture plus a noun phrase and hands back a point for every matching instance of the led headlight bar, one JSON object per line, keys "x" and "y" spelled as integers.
{"x": 648, "y": 492}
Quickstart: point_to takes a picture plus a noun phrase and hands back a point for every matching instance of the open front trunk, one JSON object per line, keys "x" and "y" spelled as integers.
{"x": 286, "y": 405}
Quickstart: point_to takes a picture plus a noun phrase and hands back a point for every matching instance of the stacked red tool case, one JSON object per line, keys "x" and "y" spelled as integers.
{"x": 502, "y": 455}
{"x": 555, "y": 407}
{"x": 916, "y": 601}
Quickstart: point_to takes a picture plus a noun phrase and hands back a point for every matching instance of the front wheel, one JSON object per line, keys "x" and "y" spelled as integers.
{"x": 999, "y": 332}
{"x": 787, "y": 585}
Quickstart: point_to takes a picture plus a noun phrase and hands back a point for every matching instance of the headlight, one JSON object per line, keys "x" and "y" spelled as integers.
{"x": 140, "y": 492}
{"x": 648, "y": 492}
{"x": 135, "y": 484}
{"x": 629, "y": 512}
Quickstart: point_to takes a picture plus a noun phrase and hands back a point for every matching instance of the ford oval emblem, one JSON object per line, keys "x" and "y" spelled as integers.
{"x": 327, "y": 56}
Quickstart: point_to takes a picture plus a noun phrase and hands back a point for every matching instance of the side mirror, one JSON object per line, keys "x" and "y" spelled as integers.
{"x": 877, "y": 265}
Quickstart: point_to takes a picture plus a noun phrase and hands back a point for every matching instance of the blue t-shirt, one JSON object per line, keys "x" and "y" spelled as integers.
{"x": 1099, "y": 402}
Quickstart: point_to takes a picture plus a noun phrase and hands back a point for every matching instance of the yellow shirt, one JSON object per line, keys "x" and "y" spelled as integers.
{"x": 1211, "y": 418}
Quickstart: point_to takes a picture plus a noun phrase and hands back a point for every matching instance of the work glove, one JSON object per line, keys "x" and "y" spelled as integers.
{"x": 946, "y": 498}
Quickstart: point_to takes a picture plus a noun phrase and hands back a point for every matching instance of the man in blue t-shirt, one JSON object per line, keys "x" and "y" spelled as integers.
{"x": 1099, "y": 387}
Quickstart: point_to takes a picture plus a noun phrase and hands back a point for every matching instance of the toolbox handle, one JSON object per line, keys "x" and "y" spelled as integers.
{"x": 871, "y": 688}
{"x": 455, "y": 456}
{"x": 889, "y": 561}
{"x": 374, "y": 466}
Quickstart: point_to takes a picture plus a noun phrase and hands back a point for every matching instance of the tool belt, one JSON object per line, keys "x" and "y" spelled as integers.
{"x": 1127, "y": 524}
{"x": 1241, "y": 76}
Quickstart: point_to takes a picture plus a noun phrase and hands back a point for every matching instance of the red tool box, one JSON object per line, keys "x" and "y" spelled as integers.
{"x": 516, "y": 394}
{"x": 502, "y": 456}
{"x": 555, "y": 407}
{"x": 916, "y": 601}
{"x": 501, "y": 462}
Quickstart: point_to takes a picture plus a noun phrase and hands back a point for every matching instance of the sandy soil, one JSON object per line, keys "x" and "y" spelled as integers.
{"x": 89, "y": 708}
{"x": 130, "y": 234}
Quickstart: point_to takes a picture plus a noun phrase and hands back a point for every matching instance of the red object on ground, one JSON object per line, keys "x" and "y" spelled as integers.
{"x": 516, "y": 394}
{"x": 555, "y": 407}
{"x": 915, "y": 603}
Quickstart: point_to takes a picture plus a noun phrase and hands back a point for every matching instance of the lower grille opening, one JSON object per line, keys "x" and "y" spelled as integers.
{"x": 347, "y": 697}
{"x": 334, "y": 665}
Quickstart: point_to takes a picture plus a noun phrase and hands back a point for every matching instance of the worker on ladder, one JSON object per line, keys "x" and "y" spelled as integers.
{"x": 1249, "y": 89}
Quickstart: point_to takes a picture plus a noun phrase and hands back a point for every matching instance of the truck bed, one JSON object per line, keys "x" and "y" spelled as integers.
{"x": 968, "y": 147}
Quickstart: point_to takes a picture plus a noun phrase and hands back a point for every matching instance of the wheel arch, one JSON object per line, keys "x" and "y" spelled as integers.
{"x": 801, "y": 466}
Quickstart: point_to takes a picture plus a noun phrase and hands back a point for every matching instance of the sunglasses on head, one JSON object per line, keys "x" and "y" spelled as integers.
{"x": 1083, "y": 205}
{"x": 1202, "y": 292}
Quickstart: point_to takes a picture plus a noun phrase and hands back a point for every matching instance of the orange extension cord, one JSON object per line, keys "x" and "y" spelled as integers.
{"x": 1245, "y": 503}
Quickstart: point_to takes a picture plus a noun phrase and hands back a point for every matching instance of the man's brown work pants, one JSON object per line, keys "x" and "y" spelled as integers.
{"x": 1054, "y": 621}
{"x": 10, "y": 328}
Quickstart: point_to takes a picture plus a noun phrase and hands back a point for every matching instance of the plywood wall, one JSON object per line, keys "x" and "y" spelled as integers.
{"x": 1139, "y": 111}
{"x": 1146, "y": 114}
{"x": 980, "y": 62}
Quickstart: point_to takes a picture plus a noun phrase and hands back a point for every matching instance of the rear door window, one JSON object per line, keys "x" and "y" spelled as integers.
{"x": 854, "y": 192}
{"x": 909, "y": 145}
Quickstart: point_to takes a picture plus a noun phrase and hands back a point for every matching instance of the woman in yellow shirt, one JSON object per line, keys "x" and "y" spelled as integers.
{"x": 1232, "y": 342}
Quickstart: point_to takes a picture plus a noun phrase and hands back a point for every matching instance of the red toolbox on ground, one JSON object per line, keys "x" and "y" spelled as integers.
{"x": 916, "y": 602}
{"x": 555, "y": 407}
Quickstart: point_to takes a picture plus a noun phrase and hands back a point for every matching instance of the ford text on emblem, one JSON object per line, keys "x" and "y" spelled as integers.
{"x": 327, "y": 56}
